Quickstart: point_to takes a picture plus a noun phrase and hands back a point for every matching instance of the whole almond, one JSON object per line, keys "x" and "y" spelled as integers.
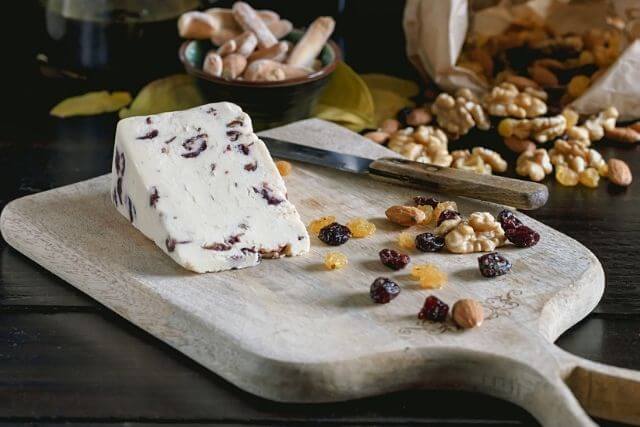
{"x": 405, "y": 215}
{"x": 521, "y": 82}
{"x": 518, "y": 145}
{"x": 377, "y": 136}
{"x": 619, "y": 172}
{"x": 543, "y": 76}
{"x": 390, "y": 126}
{"x": 467, "y": 313}
{"x": 628, "y": 135}
{"x": 418, "y": 116}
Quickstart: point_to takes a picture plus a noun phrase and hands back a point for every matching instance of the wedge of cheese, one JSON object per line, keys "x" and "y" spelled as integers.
{"x": 203, "y": 187}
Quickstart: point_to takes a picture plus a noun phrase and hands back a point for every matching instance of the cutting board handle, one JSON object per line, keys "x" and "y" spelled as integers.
{"x": 518, "y": 193}
{"x": 567, "y": 387}
{"x": 603, "y": 391}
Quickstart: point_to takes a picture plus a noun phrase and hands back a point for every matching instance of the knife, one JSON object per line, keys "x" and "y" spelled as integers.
{"x": 506, "y": 191}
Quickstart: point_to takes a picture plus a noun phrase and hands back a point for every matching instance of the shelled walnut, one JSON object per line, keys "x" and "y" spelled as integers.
{"x": 425, "y": 144}
{"x": 540, "y": 129}
{"x": 463, "y": 159}
{"x": 459, "y": 115}
{"x": 535, "y": 164}
{"x": 506, "y": 100}
{"x": 480, "y": 233}
{"x": 576, "y": 156}
{"x": 604, "y": 120}
{"x": 479, "y": 159}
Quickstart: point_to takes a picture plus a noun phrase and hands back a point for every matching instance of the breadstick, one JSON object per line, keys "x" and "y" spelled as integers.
{"x": 196, "y": 25}
{"x": 247, "y": 43}
{"x": 223, "y": 35}
{"x": 312, "y": 42}
{"x": 212, "y": 64}
{"x": 280, "y": 28}
{"x": 268, "y": 70}
{"x": 224, "y": 17}
{"x": 277, "y": 52}
{"x": 248, "y": 19}
{"x": 233, "y": 66}
{"x": 228, "y": 47}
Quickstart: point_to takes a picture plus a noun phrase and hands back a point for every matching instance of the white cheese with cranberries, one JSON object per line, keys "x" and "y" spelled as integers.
{"x": 203, "y": 187}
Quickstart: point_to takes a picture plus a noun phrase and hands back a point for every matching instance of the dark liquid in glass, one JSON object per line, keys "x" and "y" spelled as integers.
{"x": 115, "y": 48}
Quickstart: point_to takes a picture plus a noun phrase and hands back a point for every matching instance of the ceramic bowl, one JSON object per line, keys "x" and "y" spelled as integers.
{"x": 269, "y": 104}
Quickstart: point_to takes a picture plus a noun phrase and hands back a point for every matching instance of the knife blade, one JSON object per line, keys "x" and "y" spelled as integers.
{"x": 507, "y": 191}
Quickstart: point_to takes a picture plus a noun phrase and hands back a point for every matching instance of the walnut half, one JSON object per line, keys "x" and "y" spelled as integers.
{"x": 480, "y": 233}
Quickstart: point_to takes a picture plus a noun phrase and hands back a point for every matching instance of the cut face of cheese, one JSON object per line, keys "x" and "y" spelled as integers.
{"x": 203, "y": 187}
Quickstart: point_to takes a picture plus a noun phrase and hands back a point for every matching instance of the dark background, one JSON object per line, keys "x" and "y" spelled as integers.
{"x": 65, "y": 358}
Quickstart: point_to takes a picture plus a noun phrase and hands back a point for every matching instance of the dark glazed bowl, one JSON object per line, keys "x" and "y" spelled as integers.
{"x": 269, "y": 104}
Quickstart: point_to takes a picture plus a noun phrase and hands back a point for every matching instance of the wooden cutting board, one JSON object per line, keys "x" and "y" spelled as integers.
{"x": 289, "y": 330}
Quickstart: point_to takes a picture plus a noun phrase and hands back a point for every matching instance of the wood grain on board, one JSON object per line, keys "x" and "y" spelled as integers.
{"x": 291, "y": 331}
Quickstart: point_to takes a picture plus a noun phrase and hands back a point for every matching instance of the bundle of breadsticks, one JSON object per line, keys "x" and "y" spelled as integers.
{"x": 249, "y": 46}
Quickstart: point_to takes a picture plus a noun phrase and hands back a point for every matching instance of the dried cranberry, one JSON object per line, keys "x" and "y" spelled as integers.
{"x": 522, "y": 236}
{"x": 424, "y": 200}
{"x": 508, "y": 219}
{"x": 383, "y": 290}
{"x": 447, "y": 215}
{"x": 334, "y": 234}
{"x": 428, "y": 242}
{"x": 493, "y": 264}
{"x": 433, "y": 309}
{"x": 394, "y": 259}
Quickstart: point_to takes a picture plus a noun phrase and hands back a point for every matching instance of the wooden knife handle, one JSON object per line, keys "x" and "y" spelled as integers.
{"x": 507, "y": 191}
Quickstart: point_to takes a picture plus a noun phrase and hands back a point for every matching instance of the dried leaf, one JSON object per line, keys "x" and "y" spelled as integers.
{"x": 401, "y": 87}
{"x": 91, "y": 103}
{"x": 347, "y": 100}
{"x": 388, "y": 104}
{"x": 341, "y": 117}
{"x": 177, "y": 92}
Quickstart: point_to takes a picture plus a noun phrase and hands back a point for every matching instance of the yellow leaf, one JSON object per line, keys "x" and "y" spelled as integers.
{"x": 388, "y": 104}
{"x": 402, "y": 87}
{"x": 348, "y": 96}
{"x": 333, "y": 114}
{"x": 177, "y": 92}
{"x": 91, "y": 103}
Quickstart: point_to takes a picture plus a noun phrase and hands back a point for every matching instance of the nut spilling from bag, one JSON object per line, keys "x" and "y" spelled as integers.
{"x": 248, "y": 43}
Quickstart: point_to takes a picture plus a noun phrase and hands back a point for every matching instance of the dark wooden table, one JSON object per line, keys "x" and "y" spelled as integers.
{"x": 66, "y": 358}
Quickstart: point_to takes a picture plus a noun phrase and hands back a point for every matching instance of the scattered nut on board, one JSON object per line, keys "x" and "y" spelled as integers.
{"x": 405, "y": 215}
{"x": 467, "y": 313}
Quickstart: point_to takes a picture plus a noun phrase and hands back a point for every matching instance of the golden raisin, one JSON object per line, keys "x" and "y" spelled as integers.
{"x": 318, "y": 224}
{"x": 603, "y": 169}
{"x": 284, "y": 167}
{"x": 586, "y": 57}
{"x": 571, "y": 116}
{"x": 505, "y": 128}
{"x": 335, "y": 260}
{"x": 360, "y": 227}
{"x": 578, "y": 85}
{"x": 589, "y": 177}
{"x": 406, "y": 240}
{"x": 430, "y": 276}
{"x": 566, "y": 176}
